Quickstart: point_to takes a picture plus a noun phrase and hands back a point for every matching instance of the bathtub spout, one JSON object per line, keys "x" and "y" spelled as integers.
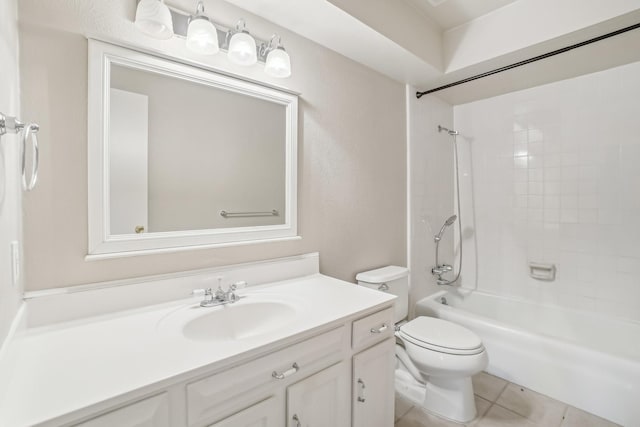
{"x": 444, "y": 282}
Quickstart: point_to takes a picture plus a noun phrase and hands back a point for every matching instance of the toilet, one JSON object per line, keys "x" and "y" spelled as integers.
{"x": 435, "y": 358}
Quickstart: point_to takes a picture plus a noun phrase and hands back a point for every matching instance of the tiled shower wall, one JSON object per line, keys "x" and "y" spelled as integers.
{"x": 552, "y": 174}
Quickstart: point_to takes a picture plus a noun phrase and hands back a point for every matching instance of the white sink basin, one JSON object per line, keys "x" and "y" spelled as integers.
{"x": 239, "y": 321}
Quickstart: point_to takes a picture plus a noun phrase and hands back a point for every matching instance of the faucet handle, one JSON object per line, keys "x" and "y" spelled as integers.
{"x": 231, "y": 293}
{"x": 207, "y": 294}
{"x": 241, "y": 284}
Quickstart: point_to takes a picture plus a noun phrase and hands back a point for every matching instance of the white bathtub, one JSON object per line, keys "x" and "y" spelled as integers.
{"x": 586, "y": 360}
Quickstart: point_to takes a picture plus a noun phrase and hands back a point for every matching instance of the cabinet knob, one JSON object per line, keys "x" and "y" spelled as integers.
{"x": 139, "y": 229}
{"x": 296, "y": 420}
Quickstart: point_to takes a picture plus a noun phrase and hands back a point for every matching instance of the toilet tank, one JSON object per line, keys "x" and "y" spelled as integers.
{"x": 391, "y": 279}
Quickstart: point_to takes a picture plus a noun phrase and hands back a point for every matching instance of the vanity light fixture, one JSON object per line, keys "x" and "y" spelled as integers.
{"x": 278, "y": 63}
{"x": 242, "y": 47}
{"x": 154, "y": 19}
{"x": 202, "y": 36}
{"x": 206, "y": 37}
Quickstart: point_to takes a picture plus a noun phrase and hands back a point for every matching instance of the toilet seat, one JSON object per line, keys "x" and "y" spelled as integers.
{"x": 440, "y": 335}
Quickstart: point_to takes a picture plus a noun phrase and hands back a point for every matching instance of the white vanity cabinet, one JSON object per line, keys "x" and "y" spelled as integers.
{"x": 373, "y": 377}
{"x": 321, "y": 399}
{"x": 339, "y": 377}
{"x": 335, "y": 345}
{"x": 293, "y": 371}
{"x": 373, "y": 370}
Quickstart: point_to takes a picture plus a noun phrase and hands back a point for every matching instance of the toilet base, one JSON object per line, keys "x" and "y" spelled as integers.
{"x": 450, "y": 398}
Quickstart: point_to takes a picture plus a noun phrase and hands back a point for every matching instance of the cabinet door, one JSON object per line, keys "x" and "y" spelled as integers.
{"x": 373, "y": 386}
{"x": 264, "y": 414}
{"x": 321, "y": 400}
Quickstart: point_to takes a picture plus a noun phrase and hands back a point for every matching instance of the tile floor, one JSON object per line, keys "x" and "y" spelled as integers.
{"x": 504, "y": 404}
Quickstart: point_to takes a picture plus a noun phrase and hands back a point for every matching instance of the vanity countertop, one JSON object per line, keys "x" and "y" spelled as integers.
{"x": 62, "y": 368}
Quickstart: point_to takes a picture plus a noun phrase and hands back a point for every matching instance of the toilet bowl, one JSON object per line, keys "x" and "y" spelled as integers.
{"x": 435, "y": 358}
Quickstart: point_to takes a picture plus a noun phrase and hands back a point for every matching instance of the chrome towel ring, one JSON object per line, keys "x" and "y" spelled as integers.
{"x": 29, "y": 131}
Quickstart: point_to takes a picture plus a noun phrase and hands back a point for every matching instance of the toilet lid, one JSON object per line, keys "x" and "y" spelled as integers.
{"x": 440, "y": 333}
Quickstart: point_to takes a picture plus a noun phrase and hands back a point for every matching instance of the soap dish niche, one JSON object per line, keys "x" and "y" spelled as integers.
{"x": 542, "y": 271}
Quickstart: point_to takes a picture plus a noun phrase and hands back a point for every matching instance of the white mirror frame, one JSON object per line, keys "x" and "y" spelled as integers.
{"x": 104, "y": 245}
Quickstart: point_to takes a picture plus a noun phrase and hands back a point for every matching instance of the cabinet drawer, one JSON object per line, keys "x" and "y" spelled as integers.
{"x": 373, "y": 328}
{"x": 221, "y": 394}
{"x": 153, "y": 411}
{"x": 264, "y": 414}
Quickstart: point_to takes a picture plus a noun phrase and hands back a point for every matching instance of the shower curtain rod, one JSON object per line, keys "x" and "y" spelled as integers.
{"x": 530, "y": 60}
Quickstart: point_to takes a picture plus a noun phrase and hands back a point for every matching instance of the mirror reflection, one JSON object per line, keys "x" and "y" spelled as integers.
{"x": 190, "y": 156}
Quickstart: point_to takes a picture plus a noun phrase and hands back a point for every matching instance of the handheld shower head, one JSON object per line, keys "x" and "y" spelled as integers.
{"x": 446, "y": 224}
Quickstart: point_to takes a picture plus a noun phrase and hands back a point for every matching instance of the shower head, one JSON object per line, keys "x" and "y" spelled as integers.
{"x": 450, "y": 220}
{"x": 446, "y": 224}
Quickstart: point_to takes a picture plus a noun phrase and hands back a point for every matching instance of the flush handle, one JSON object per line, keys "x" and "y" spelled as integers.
{"x": 383, "y": 287}
{"x": 282, "y": 375}
{"x": 380, "y": 330}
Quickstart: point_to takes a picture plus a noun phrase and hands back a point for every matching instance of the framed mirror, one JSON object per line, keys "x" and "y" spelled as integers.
{"x": 183, "y": 158}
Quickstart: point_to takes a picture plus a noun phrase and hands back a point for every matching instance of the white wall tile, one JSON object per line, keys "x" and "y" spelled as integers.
{"x": 572, "y": 197}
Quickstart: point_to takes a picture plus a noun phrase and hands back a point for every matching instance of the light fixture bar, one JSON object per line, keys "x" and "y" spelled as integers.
{"x": 181, "y": 24}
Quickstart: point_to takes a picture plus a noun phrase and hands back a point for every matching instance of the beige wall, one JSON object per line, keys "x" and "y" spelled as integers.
{"x": 10, "y": 193}
{"x": 352, "y": 151}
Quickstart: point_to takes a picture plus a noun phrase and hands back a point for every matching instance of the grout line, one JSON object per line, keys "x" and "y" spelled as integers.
{"x": 566, "y": 405}
{"x": 485, "y": 413}
{"x": 405, "y": 412}
{"x": 504, "y": 387}
{"x": 402, "y": 417}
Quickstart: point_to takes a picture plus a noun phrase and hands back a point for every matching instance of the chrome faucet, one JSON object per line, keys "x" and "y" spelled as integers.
{"x": 219, "y": 296}
{"x": 439, "y": 270}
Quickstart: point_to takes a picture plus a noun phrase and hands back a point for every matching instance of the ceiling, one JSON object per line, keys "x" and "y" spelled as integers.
{"x": 458, "y": 39}
{"x": 452, "y": 13}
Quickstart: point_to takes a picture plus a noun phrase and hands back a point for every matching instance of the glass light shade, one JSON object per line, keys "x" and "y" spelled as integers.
{"x": 278, "y": 63}
{"x": 202, "y": 37}
{"x": 242, "y": 49}
{"x": 154, "y": 19}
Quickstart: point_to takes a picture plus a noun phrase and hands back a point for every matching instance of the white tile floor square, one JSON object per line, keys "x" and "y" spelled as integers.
{"x": 504, "y": 404}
